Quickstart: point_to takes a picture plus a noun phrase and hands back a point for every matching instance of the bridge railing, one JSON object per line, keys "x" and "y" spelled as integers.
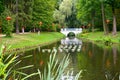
{"x": 71, "y": 29}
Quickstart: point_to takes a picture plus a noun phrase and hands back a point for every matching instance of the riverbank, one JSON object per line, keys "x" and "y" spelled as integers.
{"x": 100, "y": 37}
{"x": 30, "y": 40}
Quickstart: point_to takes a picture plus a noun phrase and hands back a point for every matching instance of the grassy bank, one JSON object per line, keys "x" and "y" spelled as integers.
{"x": 29, "y": 40}
{"x": 100, "y": 37}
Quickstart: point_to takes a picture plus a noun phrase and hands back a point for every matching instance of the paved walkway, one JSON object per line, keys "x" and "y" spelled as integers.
{"x": 1, "y": 35}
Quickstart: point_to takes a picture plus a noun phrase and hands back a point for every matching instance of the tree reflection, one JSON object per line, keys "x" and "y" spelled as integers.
{"x": 110, "y": 59}
{"x": 100, "y": 63}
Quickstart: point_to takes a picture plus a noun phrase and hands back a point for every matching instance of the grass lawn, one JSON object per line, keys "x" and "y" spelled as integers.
{"x": 99, "y": 36}
{"x": 27, "y": 40}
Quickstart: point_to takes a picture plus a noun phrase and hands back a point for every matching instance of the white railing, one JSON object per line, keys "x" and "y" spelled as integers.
{"x": 66, "y": 31}
{"x": 71, "y": 29}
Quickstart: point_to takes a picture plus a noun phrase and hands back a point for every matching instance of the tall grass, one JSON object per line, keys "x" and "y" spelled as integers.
{"x": 9, "y": 72}
{"x": 56, "y": 69}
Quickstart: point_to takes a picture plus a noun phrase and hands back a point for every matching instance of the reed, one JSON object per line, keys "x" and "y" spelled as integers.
{"x": 8, "y": 70}
{"x": 56, "y": 70}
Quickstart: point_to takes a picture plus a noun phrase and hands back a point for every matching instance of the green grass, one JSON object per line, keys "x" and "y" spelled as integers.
{"x": 100, "y": 37}
{"x": 19, "y": 41}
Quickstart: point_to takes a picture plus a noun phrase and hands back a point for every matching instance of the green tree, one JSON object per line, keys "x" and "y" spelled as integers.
{"x": 25, "y": 13}
{"x": 65, "y": 14}
{"x": 43, "y": 11}
{"x": 1, "y": 7}
{"x": 114, "y": 4}
{"x": 87, "y": 11}
{"x": 105, "y": 27}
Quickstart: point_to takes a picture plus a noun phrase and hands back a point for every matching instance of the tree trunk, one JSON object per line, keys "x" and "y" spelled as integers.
{"x": 105, "y": 27}
{"x": 93, "y": 24}
{"x": 17, "y": 27}
{"x": 114, "y": 22}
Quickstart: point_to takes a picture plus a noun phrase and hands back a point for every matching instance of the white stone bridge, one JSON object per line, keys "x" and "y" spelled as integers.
{"x": 66, "y": 31}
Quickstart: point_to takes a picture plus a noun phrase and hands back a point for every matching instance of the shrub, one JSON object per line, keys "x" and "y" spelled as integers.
{"x": 107, "y": 41}
{"x": 7, "y": 26}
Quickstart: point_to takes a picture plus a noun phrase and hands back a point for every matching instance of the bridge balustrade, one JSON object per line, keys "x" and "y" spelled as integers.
{"x": 66, "y": 31}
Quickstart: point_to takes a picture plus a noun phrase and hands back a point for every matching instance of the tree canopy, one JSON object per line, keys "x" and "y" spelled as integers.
{"x": 49, "y": 15}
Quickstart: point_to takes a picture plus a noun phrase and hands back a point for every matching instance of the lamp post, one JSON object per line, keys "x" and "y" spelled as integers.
{"x": 8, "y": 18}
{"x": 107, "y": 21}
{"x": 107, "y": 24}
{"x": 8, "y": 33}
{"x": 40, "y": 23}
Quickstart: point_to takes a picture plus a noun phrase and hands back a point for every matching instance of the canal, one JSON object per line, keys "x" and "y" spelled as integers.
{"x": 97, "y": 62}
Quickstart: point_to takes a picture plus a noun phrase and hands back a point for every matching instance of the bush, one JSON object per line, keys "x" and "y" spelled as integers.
{"x": 107, "y": 41}
{"x": 7, "y": 26}
{"x": 85, "y": 31}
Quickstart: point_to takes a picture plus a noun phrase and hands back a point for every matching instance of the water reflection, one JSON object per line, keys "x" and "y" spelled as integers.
{"x": 71, "y": 45}
{"x": 67, "y": 46}
{"x": 73, "y": 41}
{"x": 111, "y": 65}
{"x": 98, "y": 63}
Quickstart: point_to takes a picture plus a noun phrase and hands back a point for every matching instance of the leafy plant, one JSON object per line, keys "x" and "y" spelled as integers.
{"x": 119, "y": 39}
{"x": 107, "y": 40}
{"x": 56, "y": 69}
{"x": 6, "y": 70}
{"x": 7, "y": 25}
{"x": 84, "y": 35}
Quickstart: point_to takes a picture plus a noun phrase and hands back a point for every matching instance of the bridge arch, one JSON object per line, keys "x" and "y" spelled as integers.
{"x": 71, "y": 35}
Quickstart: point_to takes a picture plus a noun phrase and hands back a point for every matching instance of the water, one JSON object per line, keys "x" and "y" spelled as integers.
{"x": 97, "y": 63}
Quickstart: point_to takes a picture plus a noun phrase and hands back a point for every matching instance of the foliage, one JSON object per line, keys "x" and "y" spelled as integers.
{"x": 56, "y": 69}
{"x": 7, "y": 25}
{"x": 107, "y": 40}
{"x": 85, "y": 31}
{"x": 71, "y": 13}
{"x": 30, "y": 12}
{"x": 9, "y": 72}
{"x": 87, "y": 10}
{"x": 43, "y": 10}
{"x": 100, "y": 37}
{"x": 1, "y": 7}
{"x": 114, "y": 4}
{"x": 65, "y": 14}
{"x": 84, "y": 35}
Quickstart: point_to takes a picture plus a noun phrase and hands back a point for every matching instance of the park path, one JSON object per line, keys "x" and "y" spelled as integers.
{"x": 2, "y": 35}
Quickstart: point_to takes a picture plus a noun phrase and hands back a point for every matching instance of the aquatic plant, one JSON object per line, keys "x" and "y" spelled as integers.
{"x": 56, "y": 70}
{"x": 9, "y": 72}
{"x": 110, "y": 76}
